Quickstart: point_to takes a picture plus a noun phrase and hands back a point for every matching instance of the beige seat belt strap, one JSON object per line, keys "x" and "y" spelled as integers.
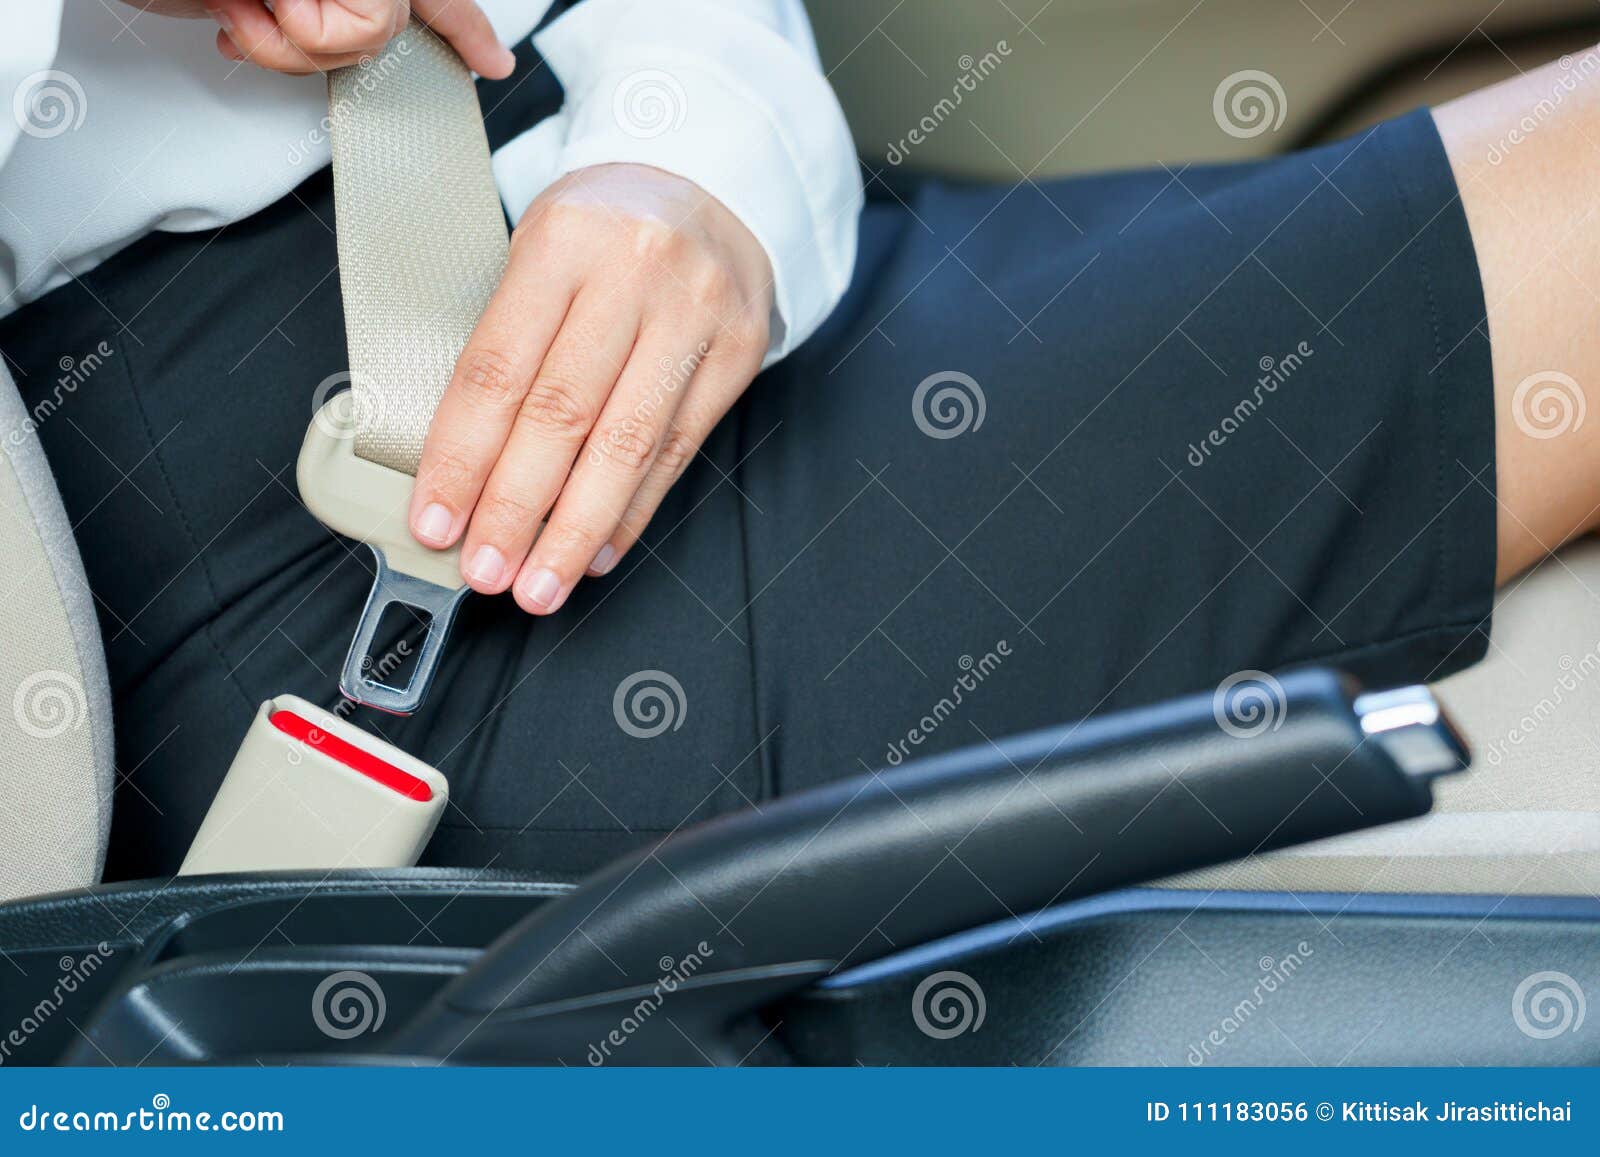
{"x": 422, "y": 244}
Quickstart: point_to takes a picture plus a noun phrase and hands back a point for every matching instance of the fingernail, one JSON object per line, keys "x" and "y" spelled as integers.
{"x": 604, "y": 559}
{"x": 508, "y": 60}
{"x": 543, "y": 589}
{"x": 433, "y": 524}
{"x": 224, "y": 21}
{"x": 486, "y": 567}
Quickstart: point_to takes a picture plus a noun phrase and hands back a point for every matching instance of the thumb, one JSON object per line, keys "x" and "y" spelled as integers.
{"x": 465, "y": 28}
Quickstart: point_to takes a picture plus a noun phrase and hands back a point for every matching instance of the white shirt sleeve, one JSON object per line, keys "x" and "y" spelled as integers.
{"x": 32, "y": 32}
{"x": 729, "y": 94}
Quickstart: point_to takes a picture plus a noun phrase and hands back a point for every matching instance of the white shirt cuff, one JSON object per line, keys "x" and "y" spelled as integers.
{"x": 722, "y": 99}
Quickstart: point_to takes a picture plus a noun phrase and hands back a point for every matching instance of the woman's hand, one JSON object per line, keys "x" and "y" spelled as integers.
{"x": 302, "y": 36}
{"x": 633, "y": 313}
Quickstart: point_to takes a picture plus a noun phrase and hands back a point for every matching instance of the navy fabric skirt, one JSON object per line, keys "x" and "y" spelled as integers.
{"x": 1063, "y": 448}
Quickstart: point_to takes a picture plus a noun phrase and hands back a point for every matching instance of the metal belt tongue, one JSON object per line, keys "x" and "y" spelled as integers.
{"x": 422, "y": 243}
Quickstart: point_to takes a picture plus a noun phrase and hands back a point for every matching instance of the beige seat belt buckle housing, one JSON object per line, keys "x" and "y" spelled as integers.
{"x": 422, "y": 242}
{"x": 370, "y": 502}
{"x": 309, "y": 790}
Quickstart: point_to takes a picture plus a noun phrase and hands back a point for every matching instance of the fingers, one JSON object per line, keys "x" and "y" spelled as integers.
{"x": 475, "y": 415}
{"x": 346, "y": 27}
{"x": 249, "y": 31}
{"x": 464, "y": 26}
{"x": 717, "y": 383}
{"x": 548, "y": 428}
{"x": 617, "y": 456}
{"x": 679, "y": 445}
{"x": 583, "y": 396}
{"x": 304, "y": 36}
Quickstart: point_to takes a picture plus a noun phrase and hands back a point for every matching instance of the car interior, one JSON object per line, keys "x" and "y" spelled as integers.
{"x": 1370, "y": 876}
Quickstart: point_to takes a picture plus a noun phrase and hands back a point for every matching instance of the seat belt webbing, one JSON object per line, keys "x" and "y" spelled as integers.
{"x": 421, "y": 234}
{"x": 422, "y": 244}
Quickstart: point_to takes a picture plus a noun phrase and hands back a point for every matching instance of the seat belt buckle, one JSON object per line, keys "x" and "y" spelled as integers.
{"x": 309, "y": 790}
{"x": 370, "y": 502}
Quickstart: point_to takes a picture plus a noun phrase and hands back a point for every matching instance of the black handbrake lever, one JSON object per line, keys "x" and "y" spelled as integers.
{"x": 765, "y": 901}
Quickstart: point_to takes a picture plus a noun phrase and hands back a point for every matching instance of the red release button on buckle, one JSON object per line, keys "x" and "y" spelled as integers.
{"x": 378, "y": 770}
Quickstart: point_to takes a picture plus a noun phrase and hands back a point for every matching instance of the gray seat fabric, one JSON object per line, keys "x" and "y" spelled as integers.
{"x": 56, "y": 769}
{"x": 1525, "y": 819}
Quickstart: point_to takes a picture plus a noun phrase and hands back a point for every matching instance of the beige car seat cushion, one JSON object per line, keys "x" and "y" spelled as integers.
{"x": 56, "y": 762}
{"x": 1525, "y": 818}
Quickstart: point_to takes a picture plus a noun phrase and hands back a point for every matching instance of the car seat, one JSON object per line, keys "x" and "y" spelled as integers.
{"x": 56, "y": 773}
